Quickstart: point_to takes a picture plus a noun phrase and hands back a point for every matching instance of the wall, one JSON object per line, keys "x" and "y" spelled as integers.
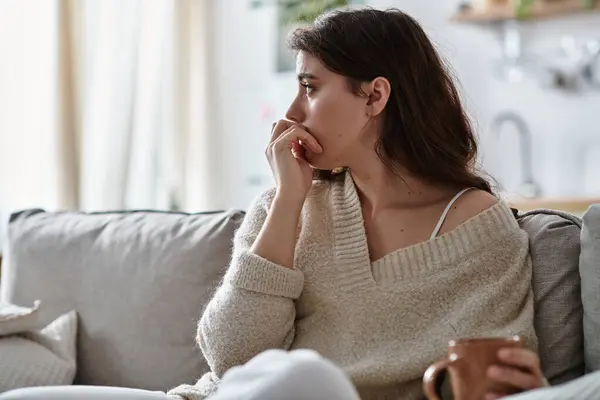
{"x": 249, "y": 95}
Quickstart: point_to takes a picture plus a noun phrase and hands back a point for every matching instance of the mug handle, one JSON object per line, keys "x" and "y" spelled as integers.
{"x": 431, "y": 375}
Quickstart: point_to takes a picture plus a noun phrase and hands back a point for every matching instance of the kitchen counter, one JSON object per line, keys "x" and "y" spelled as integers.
{"x": 573, "y": 205}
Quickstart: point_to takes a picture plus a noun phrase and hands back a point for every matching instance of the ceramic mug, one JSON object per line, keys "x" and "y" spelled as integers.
{"x": 467, "y": 364}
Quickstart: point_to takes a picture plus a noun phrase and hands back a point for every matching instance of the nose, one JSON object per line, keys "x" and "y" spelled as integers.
{"x": 295, "y": 112}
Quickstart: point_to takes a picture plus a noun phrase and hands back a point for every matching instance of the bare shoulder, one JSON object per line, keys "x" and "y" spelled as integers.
{"x": 468, "y": 206}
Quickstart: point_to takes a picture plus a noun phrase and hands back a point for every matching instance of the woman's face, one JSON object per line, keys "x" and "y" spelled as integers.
{"x": 327, "y": 109}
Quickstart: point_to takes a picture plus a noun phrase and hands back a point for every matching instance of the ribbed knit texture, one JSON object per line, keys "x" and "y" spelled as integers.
{"x": 40, "y": 358}
{"x": 382, "y": 322}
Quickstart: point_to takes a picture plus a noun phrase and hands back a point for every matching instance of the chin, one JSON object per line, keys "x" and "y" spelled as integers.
{"x": 320, "y": 161}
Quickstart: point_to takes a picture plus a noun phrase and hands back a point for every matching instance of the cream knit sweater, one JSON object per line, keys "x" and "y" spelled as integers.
{"x": 382, "y": 322}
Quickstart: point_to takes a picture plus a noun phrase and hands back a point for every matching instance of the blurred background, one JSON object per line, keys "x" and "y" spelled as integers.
{"x": 168, "y": 104}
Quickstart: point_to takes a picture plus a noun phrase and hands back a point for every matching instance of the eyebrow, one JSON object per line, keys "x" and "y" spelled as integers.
{"x": 305, "y": 76}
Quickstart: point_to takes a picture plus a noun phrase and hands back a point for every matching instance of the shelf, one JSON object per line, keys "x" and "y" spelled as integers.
{"x": 574, "y": 205}
{"x": 539, "y": 10}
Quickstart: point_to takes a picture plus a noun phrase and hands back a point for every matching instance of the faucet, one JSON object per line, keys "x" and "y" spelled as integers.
{"x": 528, "y": 187}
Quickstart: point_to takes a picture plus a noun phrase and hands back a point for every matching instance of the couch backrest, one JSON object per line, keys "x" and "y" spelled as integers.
{"x": 589, "y": 269}
{"x": 138, "y": 280}
{"x": 555, "y": 248}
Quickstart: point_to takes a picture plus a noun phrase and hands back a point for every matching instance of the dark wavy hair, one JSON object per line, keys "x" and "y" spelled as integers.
{"x": 425, "y": 128}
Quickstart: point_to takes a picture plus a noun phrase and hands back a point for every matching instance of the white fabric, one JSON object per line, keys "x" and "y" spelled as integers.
{"x": 272, "y": 375}
{"x": 437, "y": 228}
{"x": 46, "y": 357}
{"x": 82, "y": 393}
{"x": 584, "y": 388}
{"x": 28, "y": 104}
{"x": 16, "y": 319}
{"x": 147, "y": 138}
{"x": 277, "y": 375}
{"x": 127, "y": 115}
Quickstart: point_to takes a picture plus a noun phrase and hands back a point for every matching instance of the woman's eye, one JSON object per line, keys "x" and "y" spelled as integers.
{"x": 309, "y": 88}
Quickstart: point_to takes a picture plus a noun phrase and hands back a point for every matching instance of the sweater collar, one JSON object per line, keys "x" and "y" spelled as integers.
{"x": 352, "y": 251}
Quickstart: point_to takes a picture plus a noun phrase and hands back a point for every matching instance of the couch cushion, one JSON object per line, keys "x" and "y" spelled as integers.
{"x": 138, "y": 281}
{"x": 554, "y": 248}
{"x": 589, "y": 268}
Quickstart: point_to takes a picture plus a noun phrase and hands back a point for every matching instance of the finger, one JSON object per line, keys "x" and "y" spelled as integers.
{"x": 297, "y": 134}
{"x": 276, "y": 136}
{"x": 279, "y": 127}
{"x": 298, "y": 152}
{"x": 513, "y": 377}
{"x": 521, "y": 358}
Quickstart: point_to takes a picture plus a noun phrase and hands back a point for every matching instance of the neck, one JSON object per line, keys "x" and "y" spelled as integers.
{"x": 380, "y": 188}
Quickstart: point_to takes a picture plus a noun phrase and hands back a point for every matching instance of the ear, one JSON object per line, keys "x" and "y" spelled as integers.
{"x": 378, "y": 91}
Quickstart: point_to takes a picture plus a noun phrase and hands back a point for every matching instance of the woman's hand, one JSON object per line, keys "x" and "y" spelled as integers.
{"x": 287, "y": 158}
{"x": 520, "y": 370}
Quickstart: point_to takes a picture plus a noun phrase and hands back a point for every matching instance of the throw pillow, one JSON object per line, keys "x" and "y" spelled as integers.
{"x": 159, "y": 269}
{"x": 589, "y": 268}
{"x": 15, "y": 319}
{"x": 40, "y": 358}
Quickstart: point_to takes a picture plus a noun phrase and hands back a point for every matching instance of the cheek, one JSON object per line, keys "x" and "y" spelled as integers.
{"x": 335, "y": 118}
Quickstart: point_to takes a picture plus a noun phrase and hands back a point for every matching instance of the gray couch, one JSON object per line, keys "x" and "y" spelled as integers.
{"x": 139, "y": 281}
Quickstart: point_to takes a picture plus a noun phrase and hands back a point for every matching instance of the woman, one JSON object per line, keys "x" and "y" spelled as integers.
{"x": 378, "y": 265}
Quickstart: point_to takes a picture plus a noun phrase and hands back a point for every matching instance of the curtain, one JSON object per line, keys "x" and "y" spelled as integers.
{"x": 28, "y": 69}
{"x": 105, "y": 105}
{"x": 127, "y": 118}
{"x": 198, "y": 141}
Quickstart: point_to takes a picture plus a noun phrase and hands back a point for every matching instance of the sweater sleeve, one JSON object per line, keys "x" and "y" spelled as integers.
{"x": 253, "y": 310}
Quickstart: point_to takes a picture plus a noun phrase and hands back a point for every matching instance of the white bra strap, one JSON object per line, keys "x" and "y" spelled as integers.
{"x": 445, "y": 213}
